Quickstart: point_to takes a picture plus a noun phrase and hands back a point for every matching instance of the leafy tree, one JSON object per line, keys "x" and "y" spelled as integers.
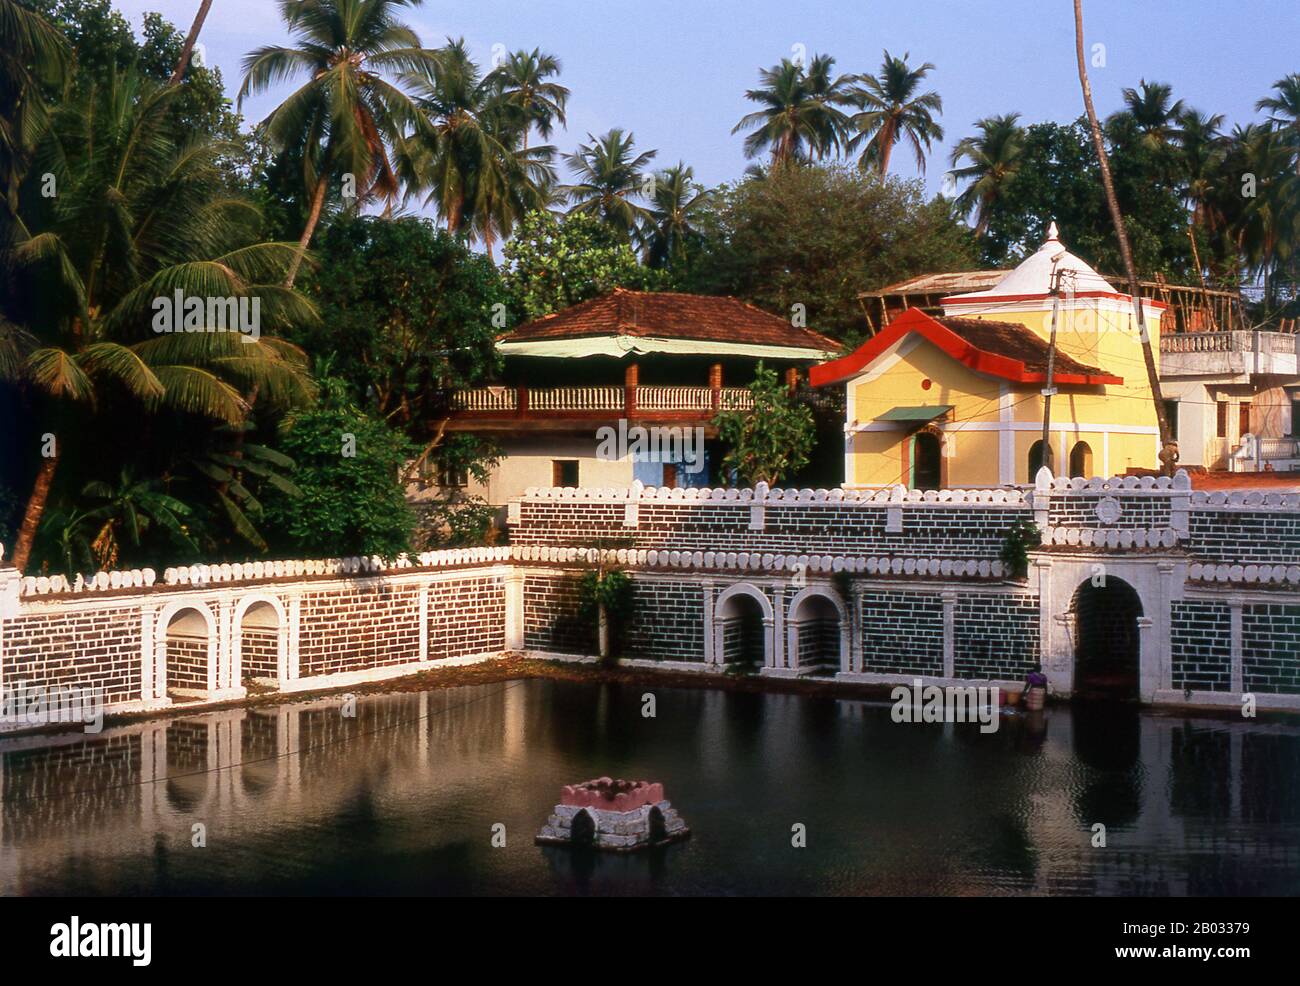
{"x": 800, "y": 117}
{"x": 893, "y": 109}
{"x": 1284, "y": 111}
{"x": 348, "y": 472}
{"x": 610, "y": 175}
{"x": 1152, "y": 112}
{"x": 817, "y": 236}
{"x": 126, "y": 512}
{"x": 33, "y": 55}
{"x": 553, "y": 263}
{"x": 771, "y": 441}
{"x": 349, "y": 113}
{"x": 406, "y": 312}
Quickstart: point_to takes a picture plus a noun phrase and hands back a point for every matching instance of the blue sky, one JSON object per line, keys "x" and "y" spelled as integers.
{"x": 675, "y": 72}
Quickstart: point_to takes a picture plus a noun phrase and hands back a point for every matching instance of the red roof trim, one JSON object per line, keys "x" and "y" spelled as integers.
{"x": 957, "y": 299}
{"x": 979, "y": 360}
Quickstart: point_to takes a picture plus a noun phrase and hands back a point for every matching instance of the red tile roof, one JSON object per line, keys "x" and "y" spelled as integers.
{"x": 668, "y": 315}
{"x": 1002, "y": 349}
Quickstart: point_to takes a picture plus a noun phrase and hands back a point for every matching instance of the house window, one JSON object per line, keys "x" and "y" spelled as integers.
{"x": 1035, "y": 459}
{"x": 1171, "y": 415}
{"x": 450, "y": 476}
{"x": 1243, "y": 418}
{"x": 564, "y": 472}
{"x": 1221, "y": 424}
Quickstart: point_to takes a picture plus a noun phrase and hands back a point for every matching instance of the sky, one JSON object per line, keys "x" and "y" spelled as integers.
{"x": 674, "y": 72}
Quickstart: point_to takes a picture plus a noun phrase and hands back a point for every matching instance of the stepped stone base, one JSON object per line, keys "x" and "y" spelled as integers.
{"x": 613, "y": 816}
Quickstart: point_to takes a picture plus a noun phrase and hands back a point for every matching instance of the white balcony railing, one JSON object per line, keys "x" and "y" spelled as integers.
{"x": 607, "y": 398}
{"x": 576, "y": 399}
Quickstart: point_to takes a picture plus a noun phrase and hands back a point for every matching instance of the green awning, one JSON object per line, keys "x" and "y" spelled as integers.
{"x": 923, "y": 412}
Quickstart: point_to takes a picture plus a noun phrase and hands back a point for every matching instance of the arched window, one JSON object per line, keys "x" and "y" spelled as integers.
{"x": 1035, "y": 459}
{"x": 1081, "y": 460}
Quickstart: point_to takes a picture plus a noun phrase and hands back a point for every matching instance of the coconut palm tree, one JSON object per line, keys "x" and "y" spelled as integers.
{"x": 677, "y": 206}
{"x": 1153, "y": 112}
{"x": 1168, "y": 451}
{"x": 522, "y": 86}
{"x": 800, "y": 116}
{"x": 142, "y": 214}
{"x": 610, "y": 175}
{"x": 349, "y": 111}
{"x": 191, "y": 39}
{"x": 32, "y": 52}
{"x": 891, "y": 108}
{"x": 1284, "y": 110}
{"x": 994, "y": 157}
{"x": 516, "y": 179}
{"x": 468, "y": 156}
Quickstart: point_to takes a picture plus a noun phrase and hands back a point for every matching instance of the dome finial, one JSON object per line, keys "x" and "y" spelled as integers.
{"x": 1052, "y": 232}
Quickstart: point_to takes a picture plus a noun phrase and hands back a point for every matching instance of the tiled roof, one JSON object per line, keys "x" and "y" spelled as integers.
{"x": 668, "y": 315}
{"x": 1014, "y": 340}
{"x": 1002, "y": 349}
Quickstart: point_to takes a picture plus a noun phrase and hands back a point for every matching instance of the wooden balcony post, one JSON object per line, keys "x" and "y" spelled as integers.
{"x": 630, "y": 377}
{"x": 715, "y": 387}
{"x": 522, "y": 409}
{"x": 792, "y": 380}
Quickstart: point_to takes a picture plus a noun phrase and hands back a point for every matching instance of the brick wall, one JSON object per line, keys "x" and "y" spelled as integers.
{"x": 667, "y": 621}
{"x": 1270, "y": 647}
{"x": 1201, "y": 645}
{"x": 96, "y": 648}
{"x": 259, "y": 652}
{"x": 551, "y": 620}
{"x": 364, "y": 625}
{"x": 1245, "y": 536}
{"x": 467, "y": 617}
{"x": 902, "y": 633}
{"x": 995, "y": 635}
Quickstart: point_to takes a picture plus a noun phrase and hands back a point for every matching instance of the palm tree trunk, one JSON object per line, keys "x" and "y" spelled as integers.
{"x": 886, "y": 148}
{"x": 1168, "y": 455}
{"x": 317, "y": 202}
{"x": 35, "y": 508}
{"x": 183, "y": 62}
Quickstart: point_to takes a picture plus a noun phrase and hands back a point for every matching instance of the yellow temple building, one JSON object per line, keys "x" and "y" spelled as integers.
{"x": 957, "y": 399}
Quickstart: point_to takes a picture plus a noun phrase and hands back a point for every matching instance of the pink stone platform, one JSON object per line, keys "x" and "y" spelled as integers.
{"x": 611, "y": 795}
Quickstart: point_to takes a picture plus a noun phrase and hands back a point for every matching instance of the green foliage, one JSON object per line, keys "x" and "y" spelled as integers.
{"x": 554, "y": 263}
{"x": 1015, "y": 547}
{"x": 407, "y": 311}
{"x": 609, "y": 590}
{"x": 350, "y": 504}
{"x": 817, "y": 236}
{"x": 464, "y": 522}
{"x": 771, "y": 441}
{"x": 1057, "y": 178}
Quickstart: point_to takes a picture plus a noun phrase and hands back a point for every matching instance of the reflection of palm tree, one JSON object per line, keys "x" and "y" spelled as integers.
{"x": 994, "y": 158}
{"x": 144, "y": 216}
{"x": 892, "y": 109}
{"x": 609, "y": 175}
{"x": 347, "y": 114}
{"x": 800, "y": 117}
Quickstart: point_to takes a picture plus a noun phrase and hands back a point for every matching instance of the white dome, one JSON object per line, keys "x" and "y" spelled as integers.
{"x": 1033, "y": 278}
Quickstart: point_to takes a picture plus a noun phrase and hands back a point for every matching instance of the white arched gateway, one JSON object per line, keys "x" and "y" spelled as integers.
{"x": 817, "y": 631}
{"x": 259, "y": 640}
{"x": 743, "y": 622}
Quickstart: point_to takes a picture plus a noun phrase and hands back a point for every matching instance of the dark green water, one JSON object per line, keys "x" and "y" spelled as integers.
{"x": 403, "y": 798}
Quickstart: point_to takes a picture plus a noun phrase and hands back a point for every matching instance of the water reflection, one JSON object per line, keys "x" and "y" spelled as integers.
{"x": 402, "y": 798}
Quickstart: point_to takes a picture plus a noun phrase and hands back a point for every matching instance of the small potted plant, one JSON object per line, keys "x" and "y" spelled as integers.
{"x": 1035, "y": 692}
